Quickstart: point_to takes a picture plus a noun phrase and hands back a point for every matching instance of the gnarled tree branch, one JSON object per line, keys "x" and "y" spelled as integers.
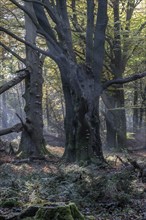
{"x": 124, "y": 80}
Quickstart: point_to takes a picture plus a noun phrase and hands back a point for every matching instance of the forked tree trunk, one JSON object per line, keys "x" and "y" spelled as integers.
{"x": 81, "y": 86}
{"x": 82, "y": 123}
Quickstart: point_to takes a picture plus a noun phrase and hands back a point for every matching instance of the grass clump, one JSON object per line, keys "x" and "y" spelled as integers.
{"x": 9, "y": 203}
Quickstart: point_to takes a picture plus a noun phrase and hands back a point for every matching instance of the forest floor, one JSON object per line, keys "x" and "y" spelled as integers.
{"x": 111, "y": 192}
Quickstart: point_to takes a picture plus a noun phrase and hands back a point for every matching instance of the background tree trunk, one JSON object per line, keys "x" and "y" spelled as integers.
{"x": 116, "y": 119}
{"x": 135, "y": 110}
{"x": 121, "y": 119}
{"x": 4, "y": 111}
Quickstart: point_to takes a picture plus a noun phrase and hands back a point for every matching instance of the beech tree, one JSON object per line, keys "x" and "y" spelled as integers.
{"x": 121, "y": 46}
{"x": 32, "y": 140}
{"x": 81, "y": 81}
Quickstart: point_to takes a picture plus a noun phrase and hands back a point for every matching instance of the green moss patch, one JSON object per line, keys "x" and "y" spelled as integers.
{"x": 9, "y": 203}
{"x": 63, "y": 212}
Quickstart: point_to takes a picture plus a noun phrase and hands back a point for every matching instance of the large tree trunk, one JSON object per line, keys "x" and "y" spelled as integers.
{"x": 82, "y": 123}
{"x": 32, "y": 140}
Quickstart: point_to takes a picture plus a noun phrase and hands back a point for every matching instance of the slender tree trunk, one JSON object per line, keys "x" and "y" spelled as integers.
{"x": 121, "y": 119}
{"x": 141, "y": 110}
{"x": 47, "y": 109}
{"x": 4, "y": 111}
{"x": 135, "y": 110}
{"x": 111, "y": 137}
{"x": 19, "y": 98}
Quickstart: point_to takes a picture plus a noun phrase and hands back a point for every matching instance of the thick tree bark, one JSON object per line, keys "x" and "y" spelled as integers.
{"x": 32, "y": 140}
{"x": 82, "y": 123}
{"x": 82, "y": 89}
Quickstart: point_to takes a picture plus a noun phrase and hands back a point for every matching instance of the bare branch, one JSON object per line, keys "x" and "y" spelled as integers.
{"x": 140, "y": 28}
{"x": 107, "y": 68}
{"x": 124, "y": 80}
{"x": 49, "y": 9}
{"x": 16, "y": 128}
{"x": 22, "y": 74}
{"x": 47, "y": 53}
{"x": 24, "y": 9}
{"x": 15, "y": 16}
{"x": 74, "y": 19}
{"x": 13, "y": 53}
{"x": 40, "y": 30}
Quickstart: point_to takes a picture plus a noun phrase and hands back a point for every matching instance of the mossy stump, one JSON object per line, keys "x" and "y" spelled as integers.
{"x": 53, "y": 211}
{"x": 59, "y": 212}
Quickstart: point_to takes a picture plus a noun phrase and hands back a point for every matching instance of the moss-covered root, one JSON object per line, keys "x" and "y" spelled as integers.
{"x": 63, "y": 212}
